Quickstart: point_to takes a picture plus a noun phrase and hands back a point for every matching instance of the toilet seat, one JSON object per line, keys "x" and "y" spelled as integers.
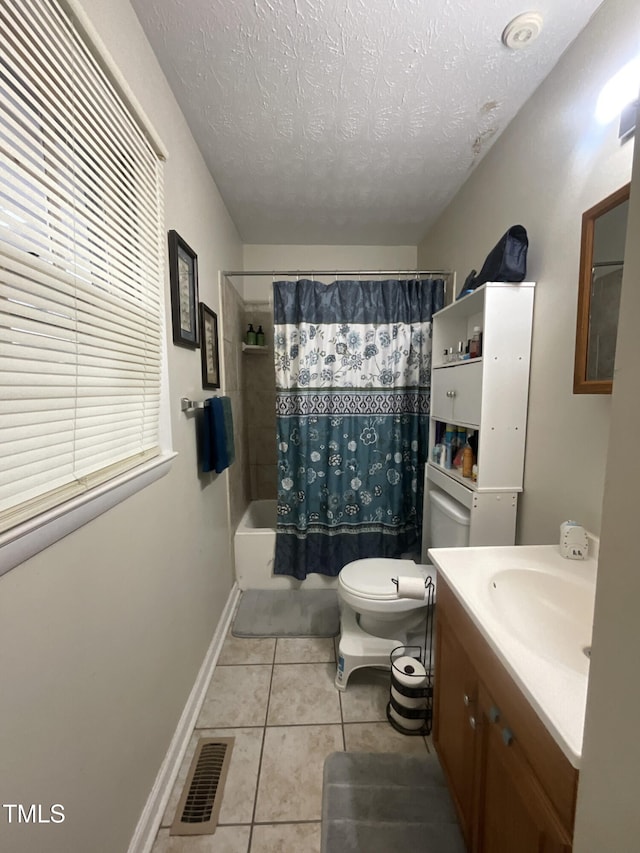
{"x": 366, "y": 586}
{"x": 370, "y": 579}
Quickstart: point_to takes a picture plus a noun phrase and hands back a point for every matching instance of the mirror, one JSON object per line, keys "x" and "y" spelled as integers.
{"x": 604, "y": 228}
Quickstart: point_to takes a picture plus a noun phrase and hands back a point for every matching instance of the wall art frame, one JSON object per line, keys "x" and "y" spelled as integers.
{"x": 209, "y": 351}
{"x": 183, "y": 279}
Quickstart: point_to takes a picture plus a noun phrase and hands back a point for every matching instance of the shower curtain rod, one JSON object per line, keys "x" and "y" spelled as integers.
{"x": 290, "y": 273}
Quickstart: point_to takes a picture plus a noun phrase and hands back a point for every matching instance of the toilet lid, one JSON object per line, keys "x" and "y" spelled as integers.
{"x": 372, "y": 577}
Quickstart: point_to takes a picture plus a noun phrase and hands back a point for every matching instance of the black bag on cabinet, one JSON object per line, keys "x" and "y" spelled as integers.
{"x": 507, "y": 261}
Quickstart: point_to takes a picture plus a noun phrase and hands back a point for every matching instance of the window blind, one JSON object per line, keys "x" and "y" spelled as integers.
{"x": 81, "y": 268}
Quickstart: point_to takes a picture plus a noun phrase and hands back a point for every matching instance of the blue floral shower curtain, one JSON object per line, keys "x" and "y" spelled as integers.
{"x": 353, "y": 363}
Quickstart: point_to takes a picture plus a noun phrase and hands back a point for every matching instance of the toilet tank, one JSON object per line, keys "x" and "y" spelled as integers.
{"x": 449, "y": 522}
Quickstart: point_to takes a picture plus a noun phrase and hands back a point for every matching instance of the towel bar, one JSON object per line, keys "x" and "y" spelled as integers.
{"x": 187, "y": 405}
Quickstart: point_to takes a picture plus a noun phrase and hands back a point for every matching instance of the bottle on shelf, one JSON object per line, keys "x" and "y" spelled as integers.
{"x": 260, "y": 337}
{"x": 467, "y": 461}
{"x": 250, "y": 339}
{"x": 450, "y": 444}
{"x": 475, "y": 344}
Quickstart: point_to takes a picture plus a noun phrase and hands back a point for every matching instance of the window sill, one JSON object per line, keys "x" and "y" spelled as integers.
{"x": 28, "y": 539}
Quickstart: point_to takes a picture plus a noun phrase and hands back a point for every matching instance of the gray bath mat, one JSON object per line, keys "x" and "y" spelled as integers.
{"x": 287, "y": 613}
{"x": 383, "y": 803}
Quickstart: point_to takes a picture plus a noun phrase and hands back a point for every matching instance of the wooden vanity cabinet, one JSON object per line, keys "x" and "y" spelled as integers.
{"x": 456, "y": 703}
{"x": 513, "y": 788}
{"x": 513, "y": 812}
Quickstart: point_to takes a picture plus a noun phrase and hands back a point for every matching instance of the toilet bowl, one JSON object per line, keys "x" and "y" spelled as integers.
{"x": 373, "y": 620}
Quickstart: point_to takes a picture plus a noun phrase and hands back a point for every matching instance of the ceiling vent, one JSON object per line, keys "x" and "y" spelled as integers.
{"x": 522, "y": 30}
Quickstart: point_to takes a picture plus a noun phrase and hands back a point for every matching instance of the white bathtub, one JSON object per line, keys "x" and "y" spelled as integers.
{"x": 255, "y": 546}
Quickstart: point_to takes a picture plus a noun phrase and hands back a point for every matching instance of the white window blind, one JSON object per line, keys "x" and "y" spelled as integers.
{"x": 81, "y": 268}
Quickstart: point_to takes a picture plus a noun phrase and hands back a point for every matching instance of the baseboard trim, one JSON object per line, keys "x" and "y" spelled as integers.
{"x": 149, "y": 822}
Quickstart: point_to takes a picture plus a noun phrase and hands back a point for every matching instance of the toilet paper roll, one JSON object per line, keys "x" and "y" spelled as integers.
{"x": 408, "y": 701}
{"x": 405, "y": 722}
{"x": 409, "y": 672}
{"x": 409, "y": 587}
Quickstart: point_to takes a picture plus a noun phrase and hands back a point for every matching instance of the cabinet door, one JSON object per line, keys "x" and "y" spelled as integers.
{"x": 441, "y": 401}
{"x": 455, "y": 710}
{"x": 514, "y": 813}
{"x": 456, "y": 393}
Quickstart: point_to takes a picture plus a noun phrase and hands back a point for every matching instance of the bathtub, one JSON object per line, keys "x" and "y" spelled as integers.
{"x": 255, "y": 546}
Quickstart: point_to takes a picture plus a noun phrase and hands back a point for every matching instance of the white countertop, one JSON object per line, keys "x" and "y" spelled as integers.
{"x": 556, "y": 691}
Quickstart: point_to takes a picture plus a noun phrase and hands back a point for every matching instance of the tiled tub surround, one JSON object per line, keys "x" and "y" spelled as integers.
{"x": 276, "y": 697}
{"x": 234, "y": 378}
{"x": 260, "y": 405}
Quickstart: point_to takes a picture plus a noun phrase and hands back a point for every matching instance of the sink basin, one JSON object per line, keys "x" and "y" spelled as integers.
{"x": 551, "y": 613}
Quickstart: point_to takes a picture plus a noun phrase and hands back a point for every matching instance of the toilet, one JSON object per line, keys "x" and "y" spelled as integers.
{"x": 373, "y": 620}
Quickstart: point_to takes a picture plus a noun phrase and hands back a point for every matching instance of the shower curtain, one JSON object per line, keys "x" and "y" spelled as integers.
{"x": 353, "y": 363}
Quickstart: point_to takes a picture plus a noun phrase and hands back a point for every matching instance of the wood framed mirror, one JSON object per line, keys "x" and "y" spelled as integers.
{"x": 604, "y": 229}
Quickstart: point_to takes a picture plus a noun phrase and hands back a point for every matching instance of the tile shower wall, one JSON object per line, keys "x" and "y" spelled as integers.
{"x": 260, "y": 405}
{"x": 234, "y": 377}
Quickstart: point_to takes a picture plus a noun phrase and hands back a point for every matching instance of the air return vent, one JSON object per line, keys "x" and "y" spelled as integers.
{"x": 199, "y": 806}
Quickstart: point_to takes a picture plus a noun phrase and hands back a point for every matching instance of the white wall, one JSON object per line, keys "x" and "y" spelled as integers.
{"x": 552, "y": 163}
{"x": 102, "y": 634}
{"x": 257, "y": 289}
{"x": 607, "y": 815}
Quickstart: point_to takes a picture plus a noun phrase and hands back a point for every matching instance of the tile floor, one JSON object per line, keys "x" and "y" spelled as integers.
{"x": 277, "y": 698}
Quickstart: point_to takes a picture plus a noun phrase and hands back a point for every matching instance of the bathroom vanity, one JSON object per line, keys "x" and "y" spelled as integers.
{"x": 511, "y": 678}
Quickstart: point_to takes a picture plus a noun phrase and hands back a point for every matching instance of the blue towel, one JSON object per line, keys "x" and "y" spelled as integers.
{"x": 218, "y": 450}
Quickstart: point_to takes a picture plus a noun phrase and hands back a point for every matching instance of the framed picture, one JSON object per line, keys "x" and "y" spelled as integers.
{"x": 183, "y": 277}
{"x": 209, "y": 348}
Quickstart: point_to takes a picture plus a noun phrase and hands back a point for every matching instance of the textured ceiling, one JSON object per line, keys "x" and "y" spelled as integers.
{"x": 348, "y": 121}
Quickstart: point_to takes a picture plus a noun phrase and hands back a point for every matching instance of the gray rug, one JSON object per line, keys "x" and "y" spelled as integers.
{"x": 386, "y": 803}
{"x": 287, "y": 613}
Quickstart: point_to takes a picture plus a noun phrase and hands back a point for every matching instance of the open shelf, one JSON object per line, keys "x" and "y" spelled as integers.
{"x": 455, "y": 474}
{"x": 470, "y": 304}
{"x": 254, "y": 348}
{"x": 457, "y": 363}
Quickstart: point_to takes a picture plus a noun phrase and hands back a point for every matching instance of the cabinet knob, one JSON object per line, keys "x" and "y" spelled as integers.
{"x": 472, "y": 723}
{"x": 451, "y": 393}
{"x": 494, "y": 714}
{"x": 507, "y": 736}
{"x": 467, "y": 700}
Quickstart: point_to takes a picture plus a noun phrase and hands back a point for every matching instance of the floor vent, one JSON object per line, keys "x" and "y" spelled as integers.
{"x": 197, "y": 811}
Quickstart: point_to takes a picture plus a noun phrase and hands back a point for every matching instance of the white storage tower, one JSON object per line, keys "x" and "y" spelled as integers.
{"x": 489, "y": 395}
